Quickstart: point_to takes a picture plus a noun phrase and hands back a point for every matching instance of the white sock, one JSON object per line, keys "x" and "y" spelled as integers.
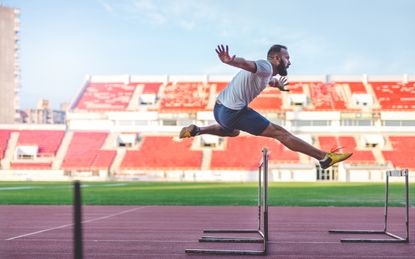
{"x": 324, "y": 159}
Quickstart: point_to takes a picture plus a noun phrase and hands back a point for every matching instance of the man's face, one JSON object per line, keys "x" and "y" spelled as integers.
{"x": 283, "y": 62}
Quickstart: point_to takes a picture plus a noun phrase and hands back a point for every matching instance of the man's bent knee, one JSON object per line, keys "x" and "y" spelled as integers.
{"x": 235, "y": 133}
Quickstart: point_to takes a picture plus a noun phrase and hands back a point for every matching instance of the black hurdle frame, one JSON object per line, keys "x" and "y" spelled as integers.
{"x": 262, "y": 216}
{"x": 77, "y": 229}
{"x": 396, "y": 238}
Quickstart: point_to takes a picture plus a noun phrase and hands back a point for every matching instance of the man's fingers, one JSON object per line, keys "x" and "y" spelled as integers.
{"x": 283, "y": 81}
{"x": 227, "y": 49}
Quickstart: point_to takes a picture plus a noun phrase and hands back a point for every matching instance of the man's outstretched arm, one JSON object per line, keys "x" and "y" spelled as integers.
{"x": 223, "y": 53}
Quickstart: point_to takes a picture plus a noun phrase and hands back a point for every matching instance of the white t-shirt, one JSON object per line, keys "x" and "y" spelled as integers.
{"x": 245, "y": 86}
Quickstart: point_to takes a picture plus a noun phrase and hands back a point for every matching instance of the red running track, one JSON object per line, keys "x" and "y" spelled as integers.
{"x": 166, "y": 231}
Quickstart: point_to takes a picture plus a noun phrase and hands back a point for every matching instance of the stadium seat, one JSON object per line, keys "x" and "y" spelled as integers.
{"x": 394, "y": 95}
{"x": 163, "y": 153}
{"x": 84, "y": 152}
{"x": 105, "y": 97}
{"x": 242, "y": 153}
{"x": 185, "y": 96}
{"x": 47, "y": 141}
{"x": 403, "y": 152}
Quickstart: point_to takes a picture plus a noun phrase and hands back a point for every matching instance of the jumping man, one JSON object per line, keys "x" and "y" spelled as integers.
{"x": 232, "y": 113}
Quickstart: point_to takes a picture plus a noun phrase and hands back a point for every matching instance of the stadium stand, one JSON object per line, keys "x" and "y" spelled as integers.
{"x": 4, "y": 138}
{"x": 163, "y": 153}
{"x": 31, "y": 165}
{"x": 349, "y": 145}
{"x": 269, "y": 100}
{"x": 355, "y": 87}
{"x": 326, "y": 97}
{"x": 403, "y": 152}
{"x": 296, "y": 87}
{"x": 364, "y": 109}
{"x": 150, "y": 88}
{"x": 241, "y": 153}
{"x": 109, "y": 96}
{"x": 185, "y": 96}
{"x": 84, "y": 152}
{"x": 47, "y": 141}
{"x": 394, "y": 95}
{"x": 219, "y": 86}
{"x": 103, "y": 160}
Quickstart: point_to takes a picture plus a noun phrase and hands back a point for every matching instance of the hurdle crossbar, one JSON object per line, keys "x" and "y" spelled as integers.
{"x": 262, "y": 232}
{"x": 395, "y": 238}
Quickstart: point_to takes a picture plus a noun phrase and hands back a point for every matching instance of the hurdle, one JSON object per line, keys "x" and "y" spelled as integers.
{"x": 77, "y": 229}
{"x": 262, "y": 227}
{"x": 396, "y": 238}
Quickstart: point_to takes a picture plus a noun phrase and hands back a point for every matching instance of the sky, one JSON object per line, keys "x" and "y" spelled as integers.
{"x": 63, "y": 41}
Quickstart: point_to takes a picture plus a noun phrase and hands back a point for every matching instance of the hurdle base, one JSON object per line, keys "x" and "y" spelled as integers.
{"x": 396, "y": 239}
{"x": 225, "y": 252}
{"x": 230, "y": 239}
{"x": 230, "y": 231}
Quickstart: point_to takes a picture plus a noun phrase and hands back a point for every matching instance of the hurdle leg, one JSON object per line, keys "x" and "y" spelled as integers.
{"x": 78, "y": 249}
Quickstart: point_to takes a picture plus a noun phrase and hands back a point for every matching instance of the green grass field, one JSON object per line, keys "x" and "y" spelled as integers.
{"x": 166, "y": 193}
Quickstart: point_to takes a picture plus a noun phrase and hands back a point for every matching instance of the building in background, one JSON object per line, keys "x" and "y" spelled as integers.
{"x": 43, "y": 114}
{"x": 9, "y": 64}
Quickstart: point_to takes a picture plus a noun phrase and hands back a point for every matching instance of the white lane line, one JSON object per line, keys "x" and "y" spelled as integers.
{"x": 68, "y": 225}
{"x": 18, "y": 188}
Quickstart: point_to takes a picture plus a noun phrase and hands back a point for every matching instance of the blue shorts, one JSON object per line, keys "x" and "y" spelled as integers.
{"x": 247, "y": 119}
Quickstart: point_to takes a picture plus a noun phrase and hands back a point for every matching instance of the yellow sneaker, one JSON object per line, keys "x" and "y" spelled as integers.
{"x": 334, "y": 158}
{"x": 189, "y": 131}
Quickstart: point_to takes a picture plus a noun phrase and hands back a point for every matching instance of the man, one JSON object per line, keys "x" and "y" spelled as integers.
{"x": 233, "y": 114}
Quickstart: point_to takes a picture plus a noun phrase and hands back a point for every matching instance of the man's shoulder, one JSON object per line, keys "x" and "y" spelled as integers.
{"x": 263, "y": 67}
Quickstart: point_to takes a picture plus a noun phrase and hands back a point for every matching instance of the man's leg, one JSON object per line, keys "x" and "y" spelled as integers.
{"x": 296, "y": 144}
{"x": 292, "y": 142}
{"x": 214, "y": 129}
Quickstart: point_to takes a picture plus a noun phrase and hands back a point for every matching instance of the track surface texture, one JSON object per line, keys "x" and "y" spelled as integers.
{"x": 166, "y": 231}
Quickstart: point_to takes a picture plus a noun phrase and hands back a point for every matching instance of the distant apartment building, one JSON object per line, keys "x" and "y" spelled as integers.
{"x": 9, "y": 64}
{"x": 43, "y": 114}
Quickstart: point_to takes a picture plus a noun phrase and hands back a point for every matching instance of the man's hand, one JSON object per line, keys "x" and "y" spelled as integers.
{"x": 223, "y": 53}
{"x": 280, "y": 83}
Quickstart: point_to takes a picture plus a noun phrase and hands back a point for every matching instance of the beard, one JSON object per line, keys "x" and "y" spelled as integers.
{"x": 281, "y": 69}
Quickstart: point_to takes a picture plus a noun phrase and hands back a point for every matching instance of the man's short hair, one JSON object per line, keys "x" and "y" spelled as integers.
{"x": 275, "y": 49}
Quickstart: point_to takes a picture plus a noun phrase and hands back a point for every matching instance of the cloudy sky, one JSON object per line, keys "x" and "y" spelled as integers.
{"x": 61, "y": 41}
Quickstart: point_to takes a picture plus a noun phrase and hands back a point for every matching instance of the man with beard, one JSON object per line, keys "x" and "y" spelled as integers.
{"x": 233, "y": 114}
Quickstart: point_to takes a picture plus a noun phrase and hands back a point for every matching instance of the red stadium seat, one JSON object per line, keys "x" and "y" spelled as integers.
{"x": 403, "y": 152}
{"x": 163, "y": 153}
{"x": 47, "y": 141}
{"x": 349, "y": 145}
{"x": 394, "y": 95}
{"x": 84, "y": 152}
{"x": 185, "y": 96}
{"x": 105, "y": 97}
{"x": 242, "y": 153}
{"x": 4, "y": 139}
